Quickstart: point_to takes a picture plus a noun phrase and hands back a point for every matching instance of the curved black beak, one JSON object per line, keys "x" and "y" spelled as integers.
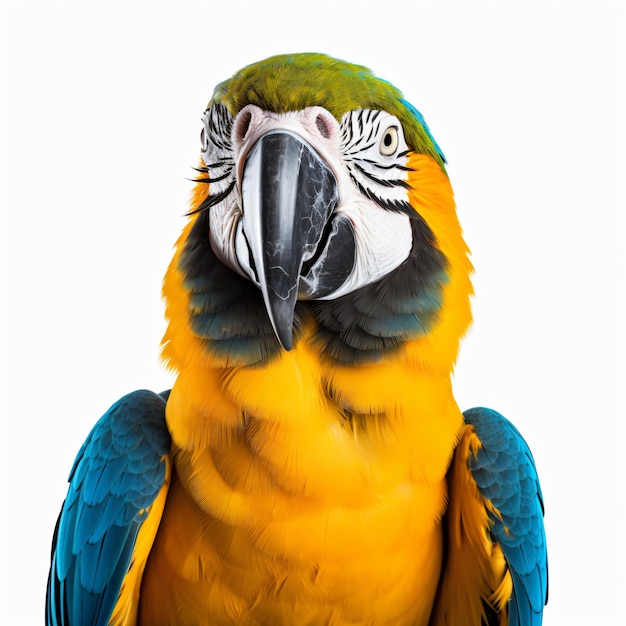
{"x": 288, "y": 193}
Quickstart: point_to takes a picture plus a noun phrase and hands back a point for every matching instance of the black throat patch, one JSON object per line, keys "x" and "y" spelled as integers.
{"x": 228, "y": 313}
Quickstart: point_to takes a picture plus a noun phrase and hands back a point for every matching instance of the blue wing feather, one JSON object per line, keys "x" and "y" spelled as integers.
{"x": 116, "y": 476}
{"x": 505, "y": 474}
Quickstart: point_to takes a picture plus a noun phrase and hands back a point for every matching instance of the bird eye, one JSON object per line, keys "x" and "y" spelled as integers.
{"x": 389, "y": 141}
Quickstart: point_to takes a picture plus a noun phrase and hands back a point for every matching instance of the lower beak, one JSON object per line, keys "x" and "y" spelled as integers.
{"x": 288, "y": 193}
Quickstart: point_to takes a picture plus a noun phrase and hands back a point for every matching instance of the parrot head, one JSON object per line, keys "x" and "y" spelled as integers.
{"x": 323, "y": 211}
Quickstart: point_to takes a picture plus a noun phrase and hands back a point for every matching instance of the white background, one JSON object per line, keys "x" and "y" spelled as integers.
{"x": 101, "y": 127}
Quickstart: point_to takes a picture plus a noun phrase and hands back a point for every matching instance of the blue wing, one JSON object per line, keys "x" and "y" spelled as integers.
{"x": 118, "y": 473}
{"x": 504, "y": 471}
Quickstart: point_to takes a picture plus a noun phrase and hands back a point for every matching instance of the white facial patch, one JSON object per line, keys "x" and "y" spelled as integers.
{"x": 366, "y": 152}
{"x": 383, "y": 242}
{"x": 374, "y": 165}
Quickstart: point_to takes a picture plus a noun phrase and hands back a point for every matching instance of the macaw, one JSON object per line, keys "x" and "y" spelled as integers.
{"x": 310, "y": 464}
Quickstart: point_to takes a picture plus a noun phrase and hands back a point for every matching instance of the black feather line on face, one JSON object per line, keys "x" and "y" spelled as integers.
{"x": 397, "y": 182}
{"x": 377, "y": 319}
{"x": 398, "y": 206}
{"x": 210, "y": 201}
{"x": 209, "y": 179}
{"x": 381, "y": 166}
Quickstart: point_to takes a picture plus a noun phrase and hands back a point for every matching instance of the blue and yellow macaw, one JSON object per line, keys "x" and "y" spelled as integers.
{"x": 310, "y": 464}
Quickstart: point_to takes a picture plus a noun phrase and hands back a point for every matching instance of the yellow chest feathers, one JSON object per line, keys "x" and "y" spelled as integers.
{"x": 305, "y": 494}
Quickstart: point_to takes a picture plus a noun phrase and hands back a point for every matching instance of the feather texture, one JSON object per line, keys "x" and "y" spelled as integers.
{"x": 496, "y": 570}
{"x": 336, "y": 481}
{"x": 116, "y": 480}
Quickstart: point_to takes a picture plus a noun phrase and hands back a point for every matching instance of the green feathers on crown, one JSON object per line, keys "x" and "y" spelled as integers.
{"x": 290, "y": 82}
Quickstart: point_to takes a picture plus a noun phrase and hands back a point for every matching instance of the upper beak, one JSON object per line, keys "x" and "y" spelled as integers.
{"x": 288, "y": 194}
